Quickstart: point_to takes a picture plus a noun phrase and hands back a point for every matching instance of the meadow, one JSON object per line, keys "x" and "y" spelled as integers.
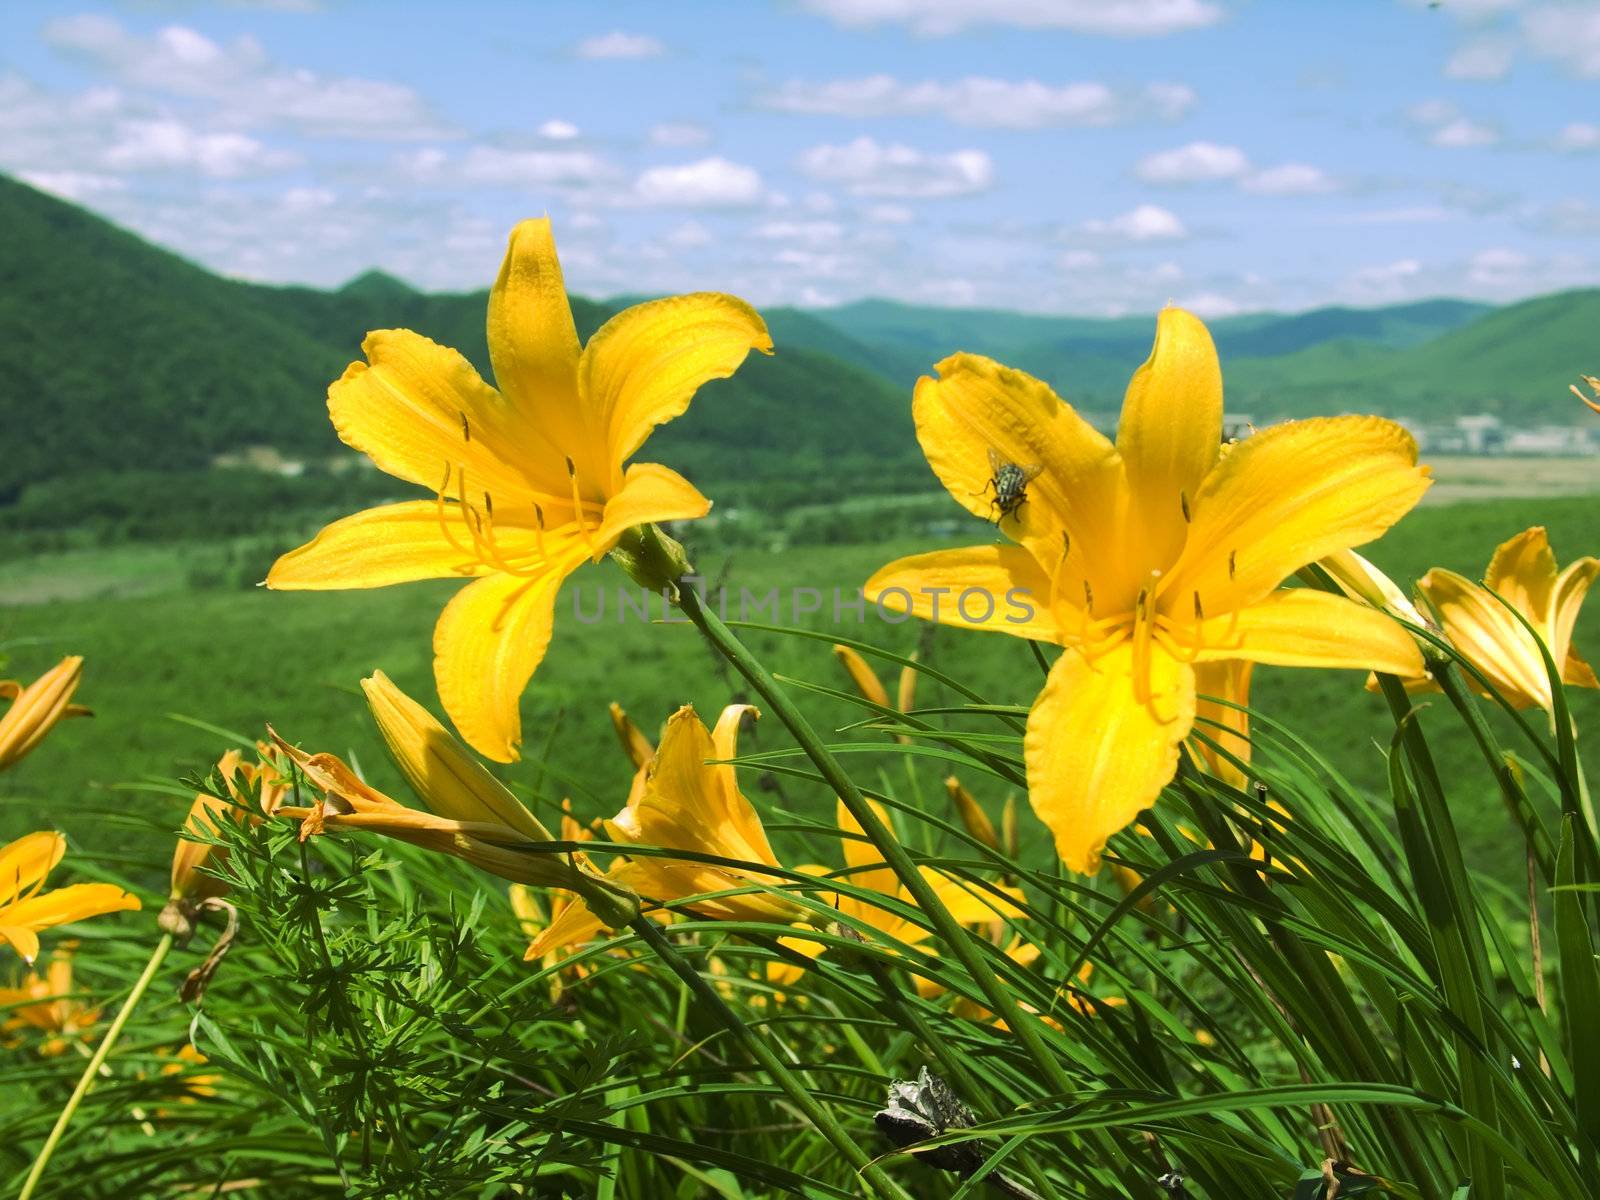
{"x": 176, "y": 638}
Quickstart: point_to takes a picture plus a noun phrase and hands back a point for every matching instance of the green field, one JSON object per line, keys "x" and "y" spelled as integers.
{"x": 166, "y": 638}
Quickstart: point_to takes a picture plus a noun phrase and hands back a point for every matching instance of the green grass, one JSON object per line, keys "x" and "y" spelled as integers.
{"x": 239, "y": 658}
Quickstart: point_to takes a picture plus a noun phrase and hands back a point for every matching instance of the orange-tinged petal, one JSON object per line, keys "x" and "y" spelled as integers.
{"x": 999, "y": 588}
{"x": 1225, "y": 725}
{"x": 1170, "y": 432}
{"x": 487, "y": 644}
{"x": 394, "y": 543}
{"x": 533, "y": 345}
{"x": 1288, "y": 496}
{"x": 417, "y": 409}
{"x": 75, "y": 902}
{"x": 1302, "y": 628}
{"x": 649, "y": 493}
{"x": 1486, "y": 633}
{"x": 865, "y": 679}
{"x": 978, "y": 410}
{"x": 1523, "y": 572}
{"x": 35, "y": 709}
{"x": 1571, "y": 586}
{"x": 25, "y": 862}
{"x": 438, "y": 767}
{"x": 632, "y": 739}
{"x": 644, "y": 365}
{"x": 1098, "y": 754}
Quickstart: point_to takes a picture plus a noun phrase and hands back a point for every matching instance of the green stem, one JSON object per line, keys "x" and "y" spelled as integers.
{"x": 92, "y": 1070}
{"x": 816, "y": 1112}
{"x": 1027, "y": 1026}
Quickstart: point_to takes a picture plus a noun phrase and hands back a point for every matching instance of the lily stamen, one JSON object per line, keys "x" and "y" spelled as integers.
{"x": 444, "y": 525}
{"x": 577, "y": 506}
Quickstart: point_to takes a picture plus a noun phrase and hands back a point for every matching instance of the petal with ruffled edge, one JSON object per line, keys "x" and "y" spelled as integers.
{"x": 996, "y": 588}
{"x": 977, "y": 412}
{"x": 25, "y": 862}
{"x": 644, "y": 365}
{"x": 1098, "y": 754}
{"x": 1302, "y": 628}
{"x": 1170, "y": 432}
{"x": 1567, "y": 597}
{"x": 688, "y": 806}
{"x": 650, "y": 492}
{"x": 533, "y": 345}
{"x": 1523, "y": 573}
{"x": 418, "y": 409}
{"x": 394, "y": 543}
{"x": 725, "y": 747}
{"x": 1288, "y": 496}
{"x": 489, "y": 640}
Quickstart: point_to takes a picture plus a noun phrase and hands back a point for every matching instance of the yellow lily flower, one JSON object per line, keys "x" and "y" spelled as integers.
{"x": 26, "y": 908}
{"x": 191, "y": 885}
{"x": 46, "y": 1003}
{"x": 35, "y": 709}
{"x": 1145, "y": 558}
{"x": 1523, "y": 573}
{"x": 529, "y": 480}
{"x": 683, "y": 800}
{"x": 475, "y": 817}
{"x": 1594, "y": 386}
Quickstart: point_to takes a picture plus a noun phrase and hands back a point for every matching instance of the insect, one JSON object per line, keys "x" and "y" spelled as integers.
{"x": 1010, "y": 483}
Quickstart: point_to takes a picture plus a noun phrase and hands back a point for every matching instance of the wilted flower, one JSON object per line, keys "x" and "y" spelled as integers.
{"x": 1145, "y": 558}
{"x": 530, "y": 480}
{"x": 26, "y": 908}
{"x": 1594, "y": 386}
{"x": 925, "y": 1108}
{"x": 35, "y": 709}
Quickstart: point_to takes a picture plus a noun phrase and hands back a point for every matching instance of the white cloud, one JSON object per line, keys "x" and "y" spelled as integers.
{"x": 1572, "y": 217}
{"x": 689, "y": 236}
{"x": 867, "y": 167}
{"x": 1146, "y": 223}
{"x": 983, "y": 102}
{"x": 1198, "y": 162}
{"x": 1120, "y": 18}
{"x": 1463, "y": 133}
{"x": 1078, "y": 260}
{"x": 890, "y": 214}
{"x": 498, "y": 166}
{"x": 157, "y": 145}
{"x": 1386, "y": 280}
{"x": 1211, "y": 305}
{"x": 618, "y": 44}
{"x": 558, "y": 130}
{"x": 1498, "y": 267}
{"x": 1578, "y": 137}
{"x": 1449, "y": 128}
{"x": 1289, "y": 179}
{"x": 74, "y": 185}
{"x": 814, "y": 233}
{"x": 679, "y": 134}
{"x": 1483, "y": 58}
{"x": 1567, "y": 33}
{"x": 709, "y": 183}
{"x": 245, "y": 87}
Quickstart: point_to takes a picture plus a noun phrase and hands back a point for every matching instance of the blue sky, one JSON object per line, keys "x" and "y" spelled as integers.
{"x": 1082, "y": 156}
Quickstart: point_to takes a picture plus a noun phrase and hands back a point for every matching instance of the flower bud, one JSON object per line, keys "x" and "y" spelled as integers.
{"x": 35, "y": 709}
{"x": 652, "y": 559}
{"x": 972, "y": 814}
{"x": 865, "y": 679}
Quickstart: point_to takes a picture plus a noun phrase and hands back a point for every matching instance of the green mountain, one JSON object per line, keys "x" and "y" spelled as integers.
{"x": 118, "y": 355}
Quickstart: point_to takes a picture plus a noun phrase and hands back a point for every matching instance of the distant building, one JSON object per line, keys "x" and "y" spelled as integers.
{"x": 266, "y": 459}
{"x": 1483, "y": 434}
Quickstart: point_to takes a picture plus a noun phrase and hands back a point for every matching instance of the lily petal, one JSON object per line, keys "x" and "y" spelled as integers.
{"x": 978, "y": 408}
{"x": 75, "y": 902}
{"x": 644, "y": 365}
{"x": 725, "y": 746}
{"x": 1288, "y": 496}
{"x": 438, "y": 768}
{"x": 1097, "y": 755}
{"x": 1011, "y": 594}
{"x": 1229, "y": 727}
{"x": 687, "y": 805}
{"x": 650, "y": 492}
{"x": 1484, "y": 631}
{"x": 1571, "y": 587}
{"x": 865, "y": 860}
{"x": 1170, "y": 432}
{"x": 394, "y": 543}
{"x": 1303, "y": 628}
{"x": 25, "y": 862}
{"x": 417, "y": 409}
{"x": 533, "y": 344}
{"x": 1523, "y": 572}
{"x": 488, "y": 642}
